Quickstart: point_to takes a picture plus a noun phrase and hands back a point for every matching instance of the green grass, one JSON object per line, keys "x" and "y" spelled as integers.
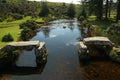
{"x": 103, "y": 24}
{"x": 12, "y": 28}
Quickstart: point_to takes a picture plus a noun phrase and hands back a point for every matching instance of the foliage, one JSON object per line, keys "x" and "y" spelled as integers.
{"x": 99, "y": 31}
{"x": 10, "y": 19}
{"x": 44, "y": 9}
{"x": 96, "y": 7}
{"x": 17, "y": 16}
{"x": 82, "y": 14}
{"x": 7, "y": 38}
{"x": 81, "y": 18}
{"x": 71, "y": 11}
{"x": 114, "y": 32}
{"x": 27, "y": 33}
{"x": 31, "y": 24}
{"x": 19, "y": 8}
{"x": 113, "y": 54}
{"x": 8, "y": 58}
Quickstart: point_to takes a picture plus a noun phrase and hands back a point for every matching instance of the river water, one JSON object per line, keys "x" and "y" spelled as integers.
{"x": 61, "y": 37}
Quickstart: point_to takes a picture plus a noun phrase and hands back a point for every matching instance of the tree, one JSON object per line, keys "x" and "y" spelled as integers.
{"x": 7, "y": 38}
{"x": 110, "y": 6}
{"x": 96, "y": 7}
{"x": 71, "y": 11}
{"x": 106, "y": 9}
{"x": 44, "y": 9}
{"x": 118, "y": 11}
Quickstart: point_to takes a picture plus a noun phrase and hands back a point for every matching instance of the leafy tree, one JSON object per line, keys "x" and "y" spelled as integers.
{"x": 7, "y": 38}
{"x": 71, "y": 11}
{"x": 44, "y": 9}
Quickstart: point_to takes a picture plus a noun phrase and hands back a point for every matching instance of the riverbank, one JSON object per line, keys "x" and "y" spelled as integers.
{"x": 102, "y": 70}
{"x": 13, "y": 28}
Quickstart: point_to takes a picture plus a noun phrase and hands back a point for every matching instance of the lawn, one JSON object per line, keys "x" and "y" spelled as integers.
{"x": 102, "y": 23}
{"x": 12, "y": 28}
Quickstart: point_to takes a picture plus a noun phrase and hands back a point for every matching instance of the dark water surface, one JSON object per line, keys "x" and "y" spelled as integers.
{"x": 61, "y": 37}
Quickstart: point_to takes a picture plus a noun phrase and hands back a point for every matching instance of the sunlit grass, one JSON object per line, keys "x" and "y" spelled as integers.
{"x": 12, "y": 28}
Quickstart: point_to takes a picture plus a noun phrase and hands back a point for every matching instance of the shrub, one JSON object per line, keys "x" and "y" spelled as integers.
{"x": 26, "y": 34}
{"x": 17, "y": 16}
{"x": 82, "y": 13}
{"x": 8, "y": 58}
{"x": 99, "y": 31}
{"x": 31, "y": 24}
{"x": 1, "y": 20}
{"x": 10, "y": 19}
{"x": 7, "y": 38}
{"x": 113, "y": 33}
{"x": 81, "y": 18}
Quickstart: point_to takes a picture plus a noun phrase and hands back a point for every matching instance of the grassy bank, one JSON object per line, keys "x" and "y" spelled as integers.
{"x": 103, "y": 24}
{"x": 13, "y": 28}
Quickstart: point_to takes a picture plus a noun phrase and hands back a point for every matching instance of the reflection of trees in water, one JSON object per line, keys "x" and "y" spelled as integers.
{"x": 81, "y": 33}
{"x": 71, "y": 25}
{"x": 46, "y": 31}
{"x": 23, "y": 70}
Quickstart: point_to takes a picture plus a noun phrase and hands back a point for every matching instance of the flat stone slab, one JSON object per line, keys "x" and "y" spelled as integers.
{"x": 24, "y": 43}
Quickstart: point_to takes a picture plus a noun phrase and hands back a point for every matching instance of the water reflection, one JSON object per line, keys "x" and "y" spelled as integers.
{"x": 46, "y": 31}
{"x": 62, "y": 61}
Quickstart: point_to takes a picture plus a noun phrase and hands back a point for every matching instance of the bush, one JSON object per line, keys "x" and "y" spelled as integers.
{"x": 31, "y": 24}
{"x": 7, "y": 38}
{"x": 26, "y": 34}
{"x": 99, "y": 31}
{"x": 17, "y": 16}
{"x": 10, "y": 19}
{"x": 82, "y": 13}
{"x": 114, "y": 33}
{"x": 1, "y": 20}
{"x": 81, "y": 18}
{"x": 8, "y": 58}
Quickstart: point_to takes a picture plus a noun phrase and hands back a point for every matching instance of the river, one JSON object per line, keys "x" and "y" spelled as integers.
{"x": 61, "y": 37}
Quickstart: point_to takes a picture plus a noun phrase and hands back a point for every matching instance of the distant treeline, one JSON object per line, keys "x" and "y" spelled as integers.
{"x": 17, "y": 9}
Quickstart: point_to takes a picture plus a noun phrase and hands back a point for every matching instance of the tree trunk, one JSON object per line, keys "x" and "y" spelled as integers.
{"x": 106, "y": 10}
{"x": 118, "y": 11}
{"x": 110, "y": 6}
{"x": 99, "y": 8}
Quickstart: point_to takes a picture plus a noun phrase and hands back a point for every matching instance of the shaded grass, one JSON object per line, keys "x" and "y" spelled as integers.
{"x": 101, "y": 23}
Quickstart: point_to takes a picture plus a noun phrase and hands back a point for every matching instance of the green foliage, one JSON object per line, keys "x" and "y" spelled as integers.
{"x": 114, "y": 56}
{"x": 82, "y": 18}
{"x": 31, "y": 24}
{"x": 44, "y": 9}
{"x": 71, "y": 11}
{"x": 10, "y": 19}
{"x": 114, "y": 32}
{"x": 99, "y": 31}
{"x": 19, "y": 8}
{"x": 26, "y": 34}
{"x": 7, "y": 38}
{"x": 17, "y": 16}
{"x": 8, "y": 58}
